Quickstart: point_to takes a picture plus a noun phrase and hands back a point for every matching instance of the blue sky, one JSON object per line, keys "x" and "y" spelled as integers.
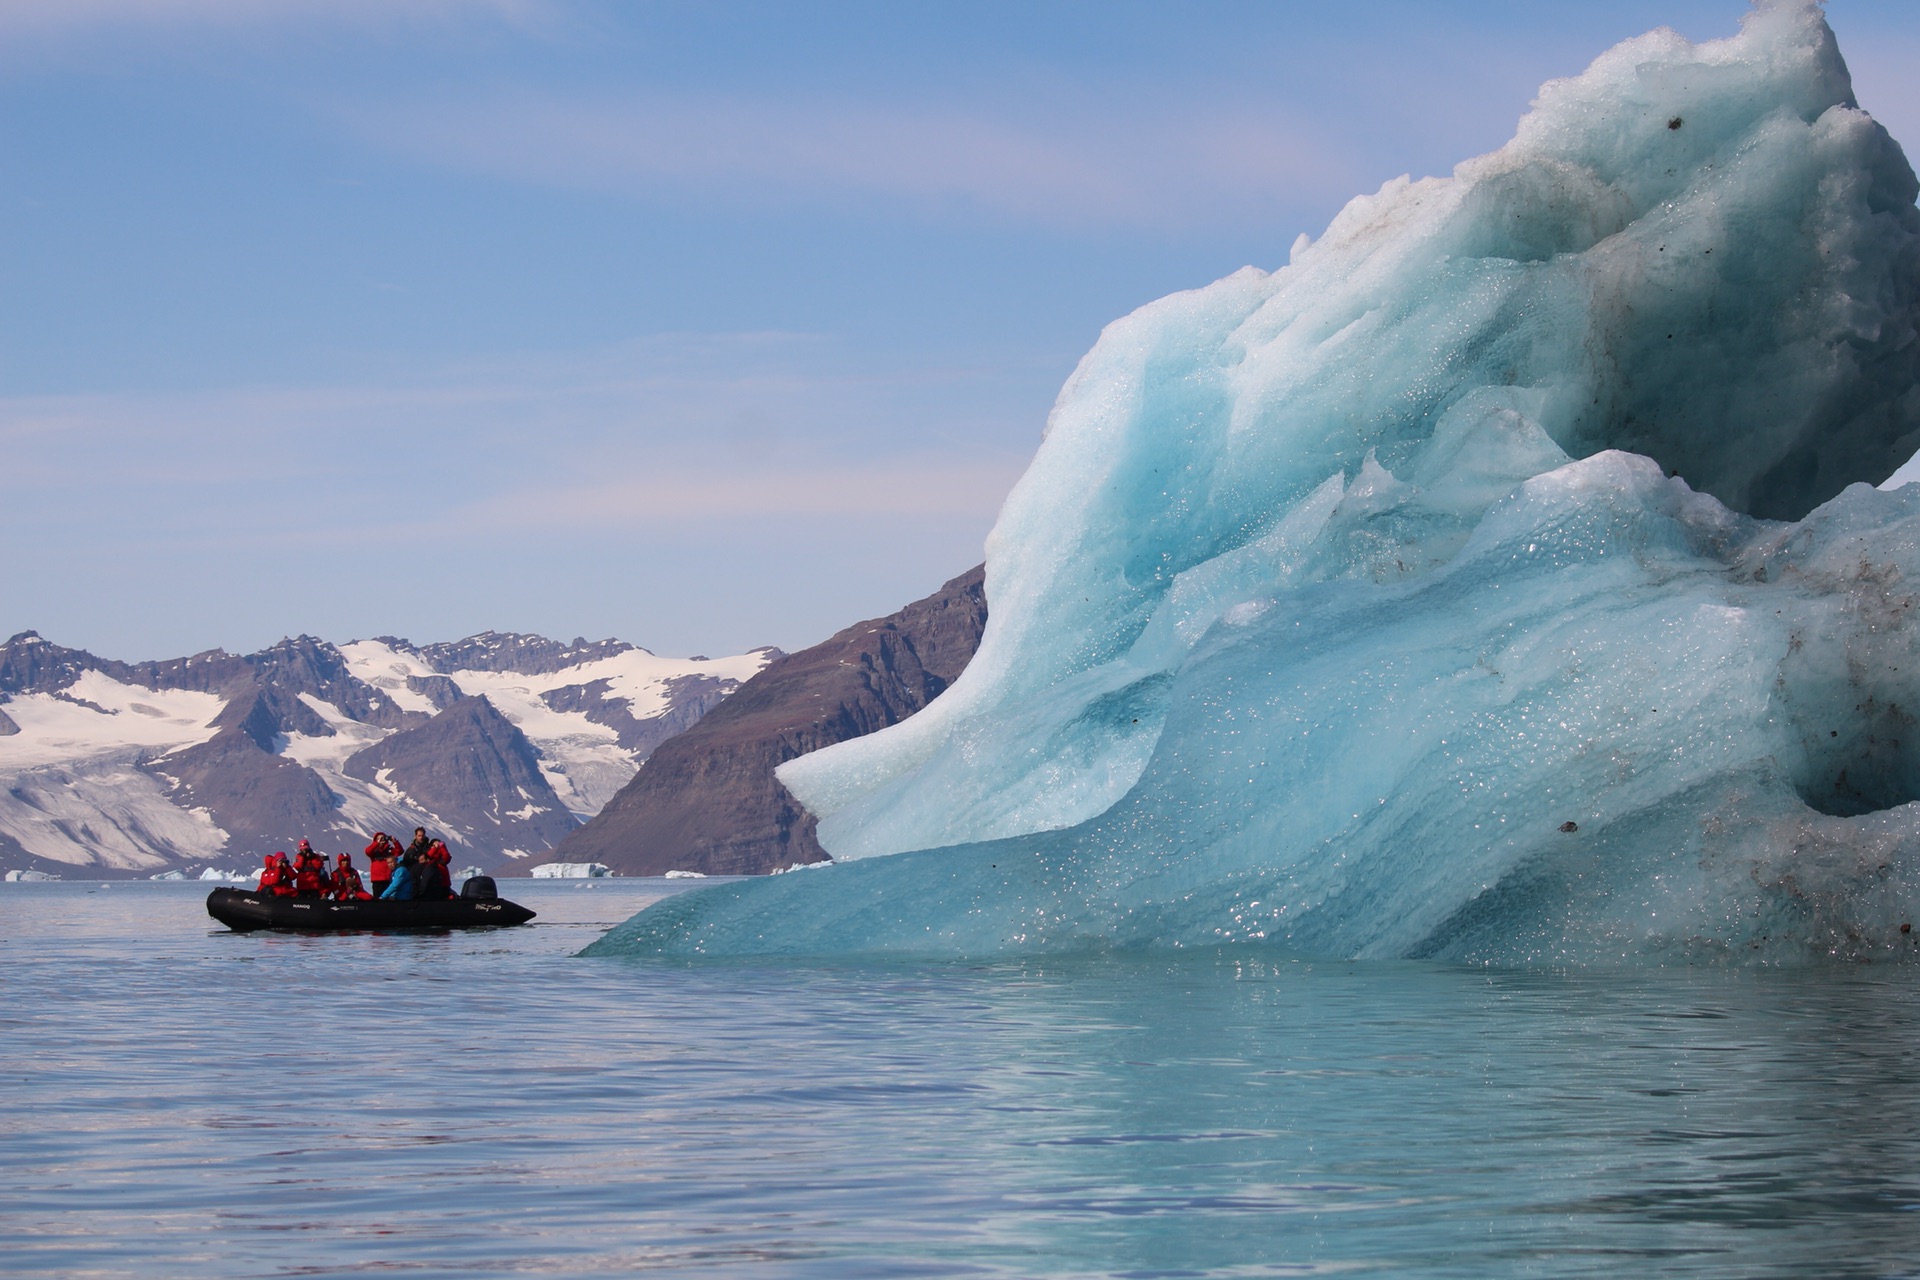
{"x": 702, "y": 325}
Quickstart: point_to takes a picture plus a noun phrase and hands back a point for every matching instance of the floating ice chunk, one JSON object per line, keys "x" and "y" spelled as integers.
{"x": 1705, "y": 254}
{"x": 570, "y": 871}
{"x": 1334, "y": 594}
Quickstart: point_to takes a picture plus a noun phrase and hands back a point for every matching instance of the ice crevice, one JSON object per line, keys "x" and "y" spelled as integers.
{"x": 1501, "y": 579}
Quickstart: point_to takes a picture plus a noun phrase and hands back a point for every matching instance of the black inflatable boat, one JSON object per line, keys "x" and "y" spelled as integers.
{"x": 244, "y": 910}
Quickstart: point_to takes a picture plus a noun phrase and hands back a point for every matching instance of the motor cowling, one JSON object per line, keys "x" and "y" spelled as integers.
{"x": 479, "y": 888}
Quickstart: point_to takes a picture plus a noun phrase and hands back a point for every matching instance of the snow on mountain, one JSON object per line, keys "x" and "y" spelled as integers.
{"x": 502, "y": 743}
{"x": 593, "y": 720}
{"x": 99, "y": 714}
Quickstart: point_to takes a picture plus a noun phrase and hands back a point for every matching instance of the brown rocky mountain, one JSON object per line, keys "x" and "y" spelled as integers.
{"x": 708, "y": 800}
{"x": 473, "y": 761}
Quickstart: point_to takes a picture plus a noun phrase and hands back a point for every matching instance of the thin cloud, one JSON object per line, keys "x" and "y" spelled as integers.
{"x": 55, "y": 18}
{"x": 924, "y": 486}
{"x": 680, "y": 430}
{"x": 1025, "y": 162}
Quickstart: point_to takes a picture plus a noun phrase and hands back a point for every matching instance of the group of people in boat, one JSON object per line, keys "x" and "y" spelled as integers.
{"x": 419, "y": 871}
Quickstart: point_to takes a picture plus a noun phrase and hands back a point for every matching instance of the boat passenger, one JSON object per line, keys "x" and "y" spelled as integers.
{"x": 310, "y": 879}
{"x": 381, "y": 855}
{"x": 276, "y": 877}
{"x": 436, "y": 876}
{"x": 346, "y": 886}
{"x": 405, "y": 885}
{"x": 407, "y": 868}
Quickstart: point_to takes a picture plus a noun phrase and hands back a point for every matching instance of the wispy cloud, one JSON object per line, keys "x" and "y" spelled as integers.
{"x": 673, "y": 430}
{"x": 1061, "y": 163}
{"x": 20, "y": 18}
{"x": 920, "y": 486}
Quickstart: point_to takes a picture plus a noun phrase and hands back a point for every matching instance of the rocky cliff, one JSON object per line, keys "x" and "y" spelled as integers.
{"x": 708, "y": 801}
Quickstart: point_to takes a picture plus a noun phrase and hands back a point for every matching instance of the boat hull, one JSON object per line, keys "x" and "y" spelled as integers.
{"x": 244, "y": 910}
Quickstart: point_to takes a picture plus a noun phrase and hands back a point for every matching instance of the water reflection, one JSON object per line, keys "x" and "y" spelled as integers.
{"x": 1720, "y": 1123}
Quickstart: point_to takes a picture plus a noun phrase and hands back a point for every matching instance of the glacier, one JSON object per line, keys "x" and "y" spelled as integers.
{"x": 1502, "y": 579}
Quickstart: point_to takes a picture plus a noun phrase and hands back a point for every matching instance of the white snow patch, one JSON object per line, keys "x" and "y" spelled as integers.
{"x": 106, "y": 812}
{"x": 386, "y": 669}
{"x": 327, "y": 754}
{"x": 57, "y": 729}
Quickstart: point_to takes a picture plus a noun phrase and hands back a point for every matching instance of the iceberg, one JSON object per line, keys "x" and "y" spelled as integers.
{"x": 570, "y": 871}
{"x": 1501, "y": 579}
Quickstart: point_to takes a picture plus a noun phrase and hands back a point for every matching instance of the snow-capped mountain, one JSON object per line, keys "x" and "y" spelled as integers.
{"x": 502, "y": 743}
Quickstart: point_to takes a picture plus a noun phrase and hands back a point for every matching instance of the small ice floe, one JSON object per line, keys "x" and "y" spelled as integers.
{"x": 14, "y": 876}
{"x": 168, "y": 875}
{"x": 677, "y": 874}
{"x": 570, "y": 871}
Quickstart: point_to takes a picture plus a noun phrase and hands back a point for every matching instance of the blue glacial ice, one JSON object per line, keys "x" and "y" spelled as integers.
{"x": 1501, "y": 579}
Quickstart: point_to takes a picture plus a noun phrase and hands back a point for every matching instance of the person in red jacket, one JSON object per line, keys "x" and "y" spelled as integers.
{"x": 276, "y": 877}
{"x": 380, "y": 856}
{"x": 346, "y": 884}
{"x": 436, "y": 872}
{"x": 309, "y": 873}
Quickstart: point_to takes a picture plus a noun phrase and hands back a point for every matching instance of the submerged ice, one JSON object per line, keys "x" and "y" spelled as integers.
{"x": 1499, "y": 579}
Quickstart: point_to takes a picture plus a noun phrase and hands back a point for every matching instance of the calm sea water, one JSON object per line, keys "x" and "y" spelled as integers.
{"x": 177, "y": 1100}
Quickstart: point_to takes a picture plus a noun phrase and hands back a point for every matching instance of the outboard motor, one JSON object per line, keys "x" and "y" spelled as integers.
{"x": 479, "y": 888}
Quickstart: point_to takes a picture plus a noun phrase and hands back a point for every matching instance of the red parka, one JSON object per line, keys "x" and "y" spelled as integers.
{"x": 277, "y": 877}
{"x": 435, "y": 871}
{"x": 310, "y": 877}
{"x": 346, "y": 881}
{"x": 380, "y": 856}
